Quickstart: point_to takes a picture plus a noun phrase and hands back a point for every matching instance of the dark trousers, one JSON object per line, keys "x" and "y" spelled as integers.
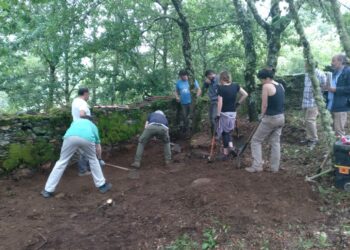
{"x": 213, "y": 110}
{"x": 186, "y": 119}
{"x": 226, "y": 138}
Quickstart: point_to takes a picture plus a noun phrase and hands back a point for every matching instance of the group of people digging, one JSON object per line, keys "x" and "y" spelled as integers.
{"x": 225, "y": 97}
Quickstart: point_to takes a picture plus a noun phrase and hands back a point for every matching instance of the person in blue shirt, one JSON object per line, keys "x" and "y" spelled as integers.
{"x": 339, "y": 93}
{"x": 156, "y": 125}
{"x": 81, "y": 135}
{"x": 183, "y": 95}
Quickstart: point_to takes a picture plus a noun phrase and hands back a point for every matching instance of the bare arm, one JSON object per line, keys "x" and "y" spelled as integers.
{"x": 244, "y": 95}
{"x": 177, "y": 96}
{"x": 82, "y": 113}
{"x": 146, "y": 124}
{"x": 98, "y": 151}
{"x": 199, "y": 92}
{"x": 219, "y": 105}
{"x": 264, "y": 96}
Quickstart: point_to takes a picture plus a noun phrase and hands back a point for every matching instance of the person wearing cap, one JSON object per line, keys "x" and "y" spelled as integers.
{"x": 156, "y": 125}
{"x": 183, "y": 95}
{"x": 82, "y": 135}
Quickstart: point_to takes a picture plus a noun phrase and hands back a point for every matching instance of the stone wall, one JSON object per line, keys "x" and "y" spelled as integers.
{"x": 29, "y": 141}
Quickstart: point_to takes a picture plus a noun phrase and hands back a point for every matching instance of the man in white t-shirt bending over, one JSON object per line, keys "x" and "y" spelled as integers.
{"x": 79, "y": 105}
{"x": 81, "y": 108}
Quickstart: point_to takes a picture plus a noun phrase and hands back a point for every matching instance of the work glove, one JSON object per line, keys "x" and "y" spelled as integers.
{"x": 102, "y": 163}
{"x": 217, "y": 118}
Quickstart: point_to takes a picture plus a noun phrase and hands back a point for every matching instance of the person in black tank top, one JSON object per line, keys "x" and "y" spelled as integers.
{"x": 272, "y": 121}
{"x": 227, "y": 95}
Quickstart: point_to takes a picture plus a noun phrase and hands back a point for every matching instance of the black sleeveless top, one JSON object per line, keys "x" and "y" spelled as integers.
{"x": 275, "y": 103}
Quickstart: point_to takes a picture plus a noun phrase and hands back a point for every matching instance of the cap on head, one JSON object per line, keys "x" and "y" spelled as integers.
{"x": 159, "y": 112}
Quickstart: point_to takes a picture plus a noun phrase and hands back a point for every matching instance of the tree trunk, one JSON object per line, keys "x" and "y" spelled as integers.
{"x": 274, "y": 47}
{"x": 187, "y": 53}
{"x": 94, "y": 84}
{"x": 52, "y": 86}
{"x": 66, "y": 76}
{"x": 246, "y": 26}
{"x": 326, "y": 118}
{"x": 339, "y": 23}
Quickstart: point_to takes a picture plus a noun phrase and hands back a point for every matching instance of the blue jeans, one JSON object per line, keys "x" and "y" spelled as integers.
{"x": 83, "y": 164}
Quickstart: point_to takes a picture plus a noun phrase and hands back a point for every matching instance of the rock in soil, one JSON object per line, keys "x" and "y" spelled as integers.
{"x": 22, "y": 174}
{"x": 200, "y": 182}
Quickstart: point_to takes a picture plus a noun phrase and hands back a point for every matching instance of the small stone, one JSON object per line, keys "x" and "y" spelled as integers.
{"x": 200, "y": 182}
{"x": 60, "y": 195}
{"x": 5, "y": 128}
{"x": 22, "y": 173}
{"x": 255, "y": 211}
{"x": 176, "y": 148}
{"x": 46, "y": 166}
{"x": 73, "y": 215}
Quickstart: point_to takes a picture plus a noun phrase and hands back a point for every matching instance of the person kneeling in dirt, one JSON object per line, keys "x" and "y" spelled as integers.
{"x": 227, "y": 94}
{"x": 272, "y": 121}
{"x": 81, "y": 135}
{"x": 156, "y": 125}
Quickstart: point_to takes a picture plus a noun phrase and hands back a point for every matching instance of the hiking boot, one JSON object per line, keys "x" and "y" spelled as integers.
{"x": 46, "y": 194}
{"x": 105, "y": 187}
{"x": 86, "y": 173}
{"x": 135, "y": 164}
{"x": 234, "y": 152}
{"x": 253, "y": 170}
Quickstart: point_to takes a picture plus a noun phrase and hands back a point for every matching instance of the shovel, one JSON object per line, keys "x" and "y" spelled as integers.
{"x": 241, "y": 150}
{"x": 133, "y": 173}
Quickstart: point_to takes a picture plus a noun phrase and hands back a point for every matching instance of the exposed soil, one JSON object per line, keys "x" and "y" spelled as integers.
{"x": 163, "y": 204}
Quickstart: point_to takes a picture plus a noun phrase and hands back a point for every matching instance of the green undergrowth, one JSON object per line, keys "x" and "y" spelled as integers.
{"x": 28, "y": 154}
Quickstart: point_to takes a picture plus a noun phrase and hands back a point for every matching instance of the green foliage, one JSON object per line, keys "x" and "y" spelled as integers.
{"x": 183, "y": 243}
{"x": 119, "y": 126}
{"x": 31, "y": 155}
{"x": 209, "y": 241}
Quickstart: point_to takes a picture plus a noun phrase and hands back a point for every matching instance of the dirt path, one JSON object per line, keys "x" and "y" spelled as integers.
{"x": 156, "y": 209}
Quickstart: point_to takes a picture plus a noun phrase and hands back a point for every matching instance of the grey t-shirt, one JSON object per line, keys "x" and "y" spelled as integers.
{"x": 213, "y": 89}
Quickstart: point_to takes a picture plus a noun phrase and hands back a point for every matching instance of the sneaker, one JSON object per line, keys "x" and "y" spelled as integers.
{"x": 84, "y": 173}
{"x": 136, "y": 164}
{"x": 46, "y": 194}
{"x": 105, "y": 187}
{"x": 253, "y": 170}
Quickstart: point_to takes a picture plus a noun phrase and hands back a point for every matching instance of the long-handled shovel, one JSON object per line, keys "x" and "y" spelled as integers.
{"x": 133, "y": 173}
{"x": 241, "y": 150}
{"x": 212, "y": 144}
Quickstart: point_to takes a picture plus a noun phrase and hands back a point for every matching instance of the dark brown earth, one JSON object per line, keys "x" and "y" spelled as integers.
{"x": 153, "y": 211}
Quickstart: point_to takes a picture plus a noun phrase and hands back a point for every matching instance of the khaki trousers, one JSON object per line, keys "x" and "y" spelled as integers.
{"x": 310, "y": 123}
{"x": 339, "y": 121}
{"x": 270, "y": 128}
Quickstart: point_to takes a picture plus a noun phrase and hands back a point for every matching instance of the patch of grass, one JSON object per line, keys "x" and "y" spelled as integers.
{"x": 210, "y": 239}
{"x": 184, "y": 242}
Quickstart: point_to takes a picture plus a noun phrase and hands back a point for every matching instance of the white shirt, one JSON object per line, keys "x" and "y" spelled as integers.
{"x": 78, "y": 105}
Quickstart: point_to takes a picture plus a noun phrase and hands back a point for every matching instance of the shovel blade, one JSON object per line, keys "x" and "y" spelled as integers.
{"x": 134, "y": 174}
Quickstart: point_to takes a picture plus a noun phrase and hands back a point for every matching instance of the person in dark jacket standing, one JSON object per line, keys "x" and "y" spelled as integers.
{"x": 272, "y": 121}
{"x": 211, "y": 83}
{"x": 339, "y": 93}
{"x": 156, "y": 125}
